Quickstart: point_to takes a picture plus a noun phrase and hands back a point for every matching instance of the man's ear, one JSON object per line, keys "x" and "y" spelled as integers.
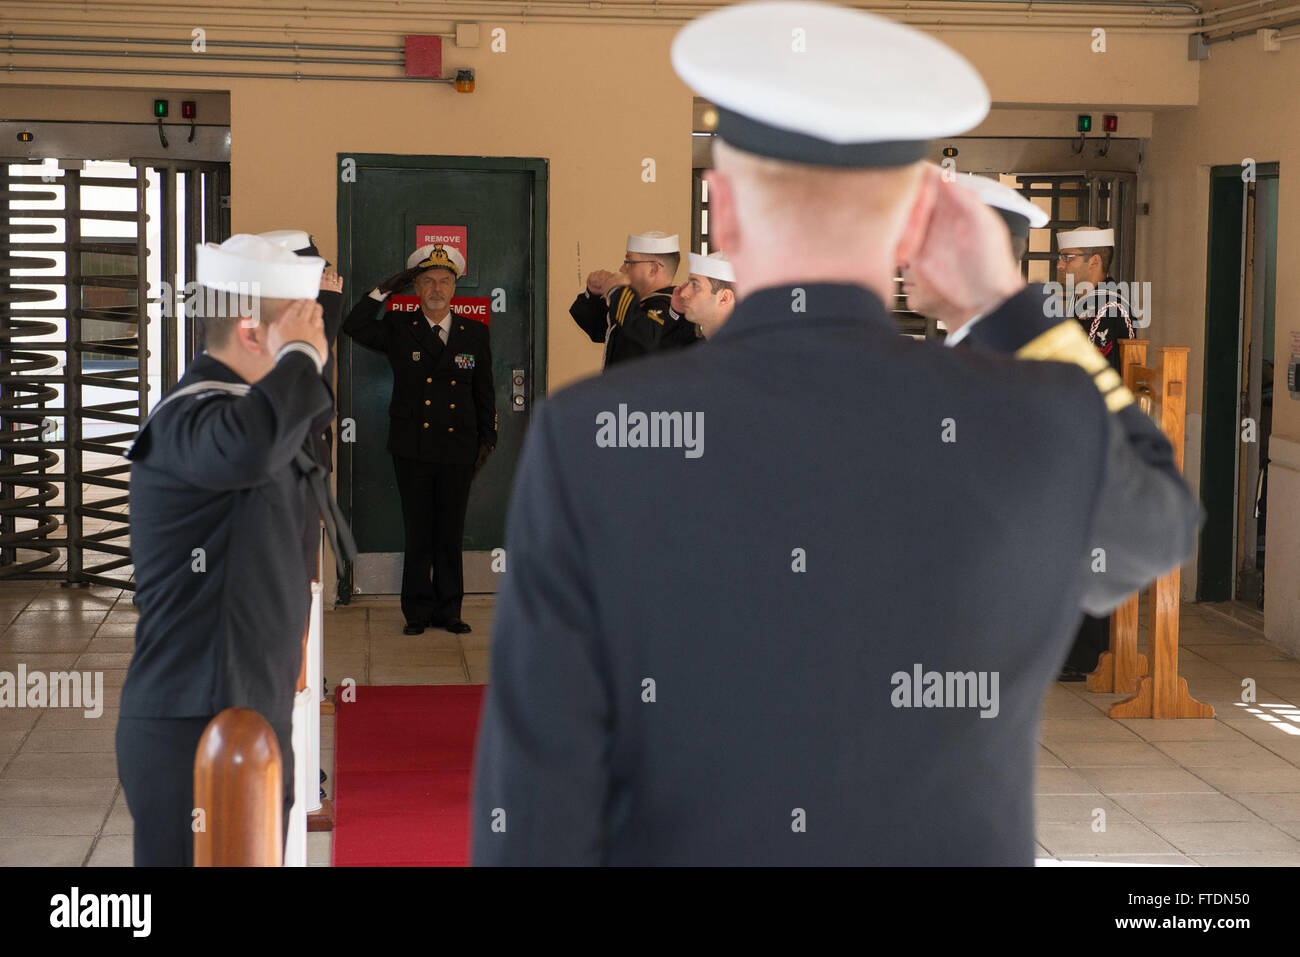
{"x": 912, "y": 239}
{"x": 248, "y": 335}
{"x": 724, "y": 226}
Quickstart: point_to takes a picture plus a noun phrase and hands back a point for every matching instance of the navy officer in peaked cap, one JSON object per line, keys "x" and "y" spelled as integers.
{"x": 886, "y": 543}
{"x": 221, "y": 498}
{"x": 441, "y": 425}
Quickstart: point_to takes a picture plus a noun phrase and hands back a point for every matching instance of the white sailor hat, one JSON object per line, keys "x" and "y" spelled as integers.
{"x": 714, "y": 266}
{"x": 1085, "y": 237}
{"x": 436, "y": 254}
{"x": 825, "y": 85}
{"x": 294, "y": 240}
{"x": 246, "y": 261}
{"x": 1018, "y": 213}
{"x": 653, "y": 242}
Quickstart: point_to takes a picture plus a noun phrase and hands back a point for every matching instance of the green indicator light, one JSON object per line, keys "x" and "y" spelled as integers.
{"x": 1085, "y": 123}
{"x": 160, "y": 108}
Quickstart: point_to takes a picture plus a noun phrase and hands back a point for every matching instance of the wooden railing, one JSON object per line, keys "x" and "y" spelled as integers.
{"x": 1161, "y": 693}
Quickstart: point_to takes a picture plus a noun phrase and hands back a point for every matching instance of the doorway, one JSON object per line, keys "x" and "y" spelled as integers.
{"x": 499, "y": 206}
{"x": 1238, "y": 400}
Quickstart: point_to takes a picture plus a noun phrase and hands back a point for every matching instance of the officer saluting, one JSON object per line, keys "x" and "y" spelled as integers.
{"x": 441, "y": 425}
{"x": 637, "y": 318}
{"x": 219, "y": 506}
{"x": 886, "y": 542}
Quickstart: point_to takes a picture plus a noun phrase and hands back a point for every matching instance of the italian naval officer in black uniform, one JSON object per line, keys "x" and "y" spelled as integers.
{"x": 219, "y": 503}
{"x": 636, "y": 318}
{"x": 441, "y": 425}
{"x": 885, "y": 549}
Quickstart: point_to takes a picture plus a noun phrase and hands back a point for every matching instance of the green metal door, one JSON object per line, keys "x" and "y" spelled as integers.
{"x": 383, "y": 205}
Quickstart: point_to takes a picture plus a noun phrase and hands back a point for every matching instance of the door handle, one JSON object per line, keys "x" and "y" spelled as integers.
{"x": 518, "y": 403}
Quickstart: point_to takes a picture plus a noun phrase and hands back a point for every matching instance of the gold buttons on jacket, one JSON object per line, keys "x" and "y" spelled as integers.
{"x": 428, "y": 401}
{"x": 426, "y": 425}
{"x": 450, "y": 429}
{"x": 453, "y": 381}
{"x": 428, "y": 380}
{"x": 453, "y": 405}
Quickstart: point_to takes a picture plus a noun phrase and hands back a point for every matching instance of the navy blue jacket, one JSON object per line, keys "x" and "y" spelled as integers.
{"x": 854, "y": 511}
{"x": 223, "y": 627}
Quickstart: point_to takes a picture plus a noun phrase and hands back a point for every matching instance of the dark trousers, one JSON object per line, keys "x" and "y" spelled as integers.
{"x": 434, "y": 497}
{"x": 155, "y": 763}
{"x": 1093, "y": 638}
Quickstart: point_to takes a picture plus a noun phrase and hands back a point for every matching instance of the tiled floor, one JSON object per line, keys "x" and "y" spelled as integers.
{"x": 1218, "y": 791}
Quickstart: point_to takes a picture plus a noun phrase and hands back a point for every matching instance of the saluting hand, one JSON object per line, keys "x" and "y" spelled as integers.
{"x": 400, "y": 281}
{"x": 677, "y": 303}
{"x": 331, "y": 281}
{"x": 601, "y": 281}
{"x": 299, "y": 322}
{"x": 959, "y": 246}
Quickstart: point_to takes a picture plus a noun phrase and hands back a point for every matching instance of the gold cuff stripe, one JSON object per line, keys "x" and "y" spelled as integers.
{"x": 624, "y": 301}
{"x": 1066, "y": 342}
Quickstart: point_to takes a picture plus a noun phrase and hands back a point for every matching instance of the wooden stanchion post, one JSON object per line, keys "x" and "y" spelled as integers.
{"x": 1163, "y": 694}
{"x": 238, "y": 793}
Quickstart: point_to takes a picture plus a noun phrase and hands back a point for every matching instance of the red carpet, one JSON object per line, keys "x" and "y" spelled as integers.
{"x": 402, "y": 763}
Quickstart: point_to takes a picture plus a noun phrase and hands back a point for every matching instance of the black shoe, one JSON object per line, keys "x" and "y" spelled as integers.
{"x": 1069, "y": 674}
{"x": 413, "y": 628}
{"x": 457, "y": 627}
